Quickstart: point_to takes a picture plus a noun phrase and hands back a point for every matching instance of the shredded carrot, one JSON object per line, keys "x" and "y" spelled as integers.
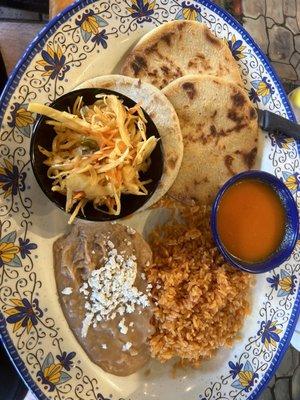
{"x": 92, "y": 149}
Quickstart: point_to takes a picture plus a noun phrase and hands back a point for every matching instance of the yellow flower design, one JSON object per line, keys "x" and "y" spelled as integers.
{"x": 90, "y": 25}
{"x": 53, "y": 373}
{"x": 190, "y": 14}
{"x": 23, "y": 314}
{"x": 245, "y": 374}
{"x": 237, "y": 48}
{"x": 291, "y": 183}
{"x": 263, "y": 89}
{"x": 269, "y": 333}
{"x": 286, "y": 283}
{"x": 53, "y": 62}
{"x": 189, "y": 11}
{"x": 8, "y": 251}
{"x": 23, "y": 118}
{"x": 245, "y": 378}
{"x": 141, "y": 8}
{"x": 287, "y": 142}
{"x": 11, "y": 180}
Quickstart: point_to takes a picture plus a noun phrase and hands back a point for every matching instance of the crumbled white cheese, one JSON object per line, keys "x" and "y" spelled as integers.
{"x": 126, "y": 346}
{"x": 67, "y": 291}
{"x": 143, "y": 276}
{"x": 110, "y": 290}
{"x": 131, "y": 323}
{"x": 130, "y": 230}
{"x": 147, "y": 263}
{"x": 149, "y": 287}
{"x": 86, "y": 323}
{"x": 121, "y": 310}
{"x": 110, "y": 244}
{"x": 158, "y": 286}
{"x": 83, "y": 289}
{"x": 119, "y": 259}
{"x": 104, "y": 346}
{"x": 123, "y": 328}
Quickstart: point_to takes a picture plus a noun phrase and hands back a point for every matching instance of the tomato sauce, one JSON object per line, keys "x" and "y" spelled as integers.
{"x": 251, "y": 220}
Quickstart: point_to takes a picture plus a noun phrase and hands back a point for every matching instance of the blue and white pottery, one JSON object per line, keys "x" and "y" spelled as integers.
{"x": 88, "y": 39}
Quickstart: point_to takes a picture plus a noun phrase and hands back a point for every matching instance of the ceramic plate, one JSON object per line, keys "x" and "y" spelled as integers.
{"x": 86, "y": 40}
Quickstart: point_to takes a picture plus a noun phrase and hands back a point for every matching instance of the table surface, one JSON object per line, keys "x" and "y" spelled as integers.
{"x": 264, "y": 19}
{"x": 55, "y": 6}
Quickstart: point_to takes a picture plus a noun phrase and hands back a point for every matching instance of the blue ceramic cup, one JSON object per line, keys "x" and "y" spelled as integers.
{"x": 291, "y": 228}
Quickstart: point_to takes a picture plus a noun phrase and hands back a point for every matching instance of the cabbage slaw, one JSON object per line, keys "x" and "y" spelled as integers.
{"x": 97, "y": 153}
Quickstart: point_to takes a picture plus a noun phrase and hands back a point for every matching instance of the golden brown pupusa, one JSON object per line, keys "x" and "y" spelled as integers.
{"x": 179, "y": 48}
{"x": 220, "y": 133}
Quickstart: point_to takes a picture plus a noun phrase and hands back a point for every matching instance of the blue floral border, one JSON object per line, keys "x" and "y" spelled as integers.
{"x": 14, "y": 79}
{"x": 9, "y": 88}
{"x": 17, "y": 361}
{"x": 282, "y": 348}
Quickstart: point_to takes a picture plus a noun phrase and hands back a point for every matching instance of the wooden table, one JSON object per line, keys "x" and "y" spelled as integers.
{"x": 15, "y": 36}
{"x": 55, "y": 6}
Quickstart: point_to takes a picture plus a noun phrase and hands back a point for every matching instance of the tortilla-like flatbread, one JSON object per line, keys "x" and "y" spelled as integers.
{"x": 220, "y": 134}
{"x": 155, "y": 103}
{"x": 179, "y": 48}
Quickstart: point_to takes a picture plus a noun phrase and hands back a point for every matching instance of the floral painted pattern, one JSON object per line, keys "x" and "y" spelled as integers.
{"x": 71, "y": 45}
{"x": 189, "y": 11}
{"x": 66, "y": 360}
{"x": 101, "y": 38}
{"x": 274, "y": 281}
{"x": 282, "y": 141}
{"x": 264, "y": 89}
{"x": 237, "y": 48}
{"x": 89, "y": 24}
{"x": 245, "y": 374}
{"x": 53, "y": 63}
{"x": 141, "y": 9}
{"x": 21, "y": 118}
{"x": 23, "y": 314}
{"x": 292, "y": 181}
{"x": 11, "y": 180}
{"x": 287, "y": 284}
{"x": 52, "y": 372}
{"x": 253, "y": 96}
{"x": 25, "y": 247}
{"x": 269, "y": 333}
{"x": 9, "y": 251}
{"x": 284, "y": 283}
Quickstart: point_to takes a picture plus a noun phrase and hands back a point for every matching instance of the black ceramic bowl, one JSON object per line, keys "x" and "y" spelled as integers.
{"x": 44, "y": 134}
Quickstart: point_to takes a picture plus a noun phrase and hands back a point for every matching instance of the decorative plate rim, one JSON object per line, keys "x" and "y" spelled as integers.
{"x": 10, "y": 86}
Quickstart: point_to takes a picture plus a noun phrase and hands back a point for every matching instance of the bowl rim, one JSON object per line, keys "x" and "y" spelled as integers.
{"x": 275, "y": 260}
{"x": 32, "y": 147}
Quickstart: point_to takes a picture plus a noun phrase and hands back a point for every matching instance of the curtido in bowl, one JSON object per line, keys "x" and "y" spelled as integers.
{"x": 96, "y": 154}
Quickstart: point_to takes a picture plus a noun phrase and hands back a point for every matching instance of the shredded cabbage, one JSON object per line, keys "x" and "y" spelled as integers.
{"x": 97, "y": 153}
